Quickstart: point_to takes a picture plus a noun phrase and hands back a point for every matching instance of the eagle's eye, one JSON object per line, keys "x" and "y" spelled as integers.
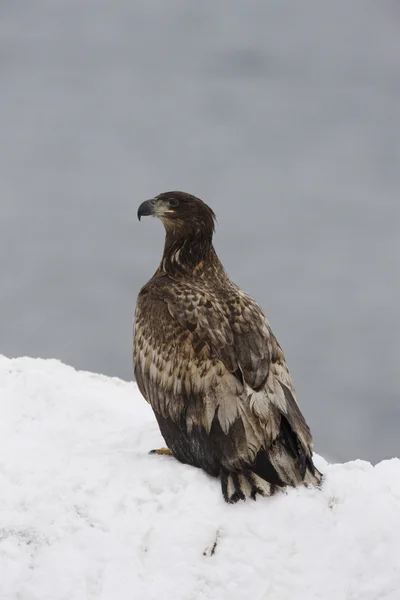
{"x": 173, "y": 203}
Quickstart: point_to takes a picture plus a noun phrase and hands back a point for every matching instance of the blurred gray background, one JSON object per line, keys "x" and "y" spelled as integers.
{"x": 283, "y": 116}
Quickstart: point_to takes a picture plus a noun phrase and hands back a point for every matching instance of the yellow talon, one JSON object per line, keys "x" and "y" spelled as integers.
{"x": 161, "y": 452}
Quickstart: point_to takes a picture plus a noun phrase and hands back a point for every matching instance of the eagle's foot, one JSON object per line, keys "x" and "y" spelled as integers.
{"x": 161, "y": 452}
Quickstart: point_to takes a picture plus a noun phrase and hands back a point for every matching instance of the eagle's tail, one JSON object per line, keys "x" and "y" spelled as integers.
{"x": 247, "y": 484}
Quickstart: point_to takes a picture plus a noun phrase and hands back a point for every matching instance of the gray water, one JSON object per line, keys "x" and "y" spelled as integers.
{"x": 283, "y": 116}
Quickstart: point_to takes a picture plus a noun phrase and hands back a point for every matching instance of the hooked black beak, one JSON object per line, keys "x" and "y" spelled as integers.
{"x": 146, "y": 209}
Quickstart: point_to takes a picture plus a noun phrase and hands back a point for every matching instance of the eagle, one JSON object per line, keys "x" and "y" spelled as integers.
{"x": 206, "y": 360}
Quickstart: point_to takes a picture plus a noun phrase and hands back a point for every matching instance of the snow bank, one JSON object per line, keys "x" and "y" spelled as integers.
{"x": 86, "y": 513}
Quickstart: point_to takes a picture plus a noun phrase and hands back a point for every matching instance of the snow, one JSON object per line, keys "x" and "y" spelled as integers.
{"x": 86, "y": 513}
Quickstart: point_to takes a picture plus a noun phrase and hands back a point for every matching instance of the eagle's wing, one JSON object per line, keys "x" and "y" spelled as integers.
{"x": 210, "y": 355}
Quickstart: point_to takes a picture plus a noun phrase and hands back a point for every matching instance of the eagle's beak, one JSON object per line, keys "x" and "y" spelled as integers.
{"x": 146, "y": 208}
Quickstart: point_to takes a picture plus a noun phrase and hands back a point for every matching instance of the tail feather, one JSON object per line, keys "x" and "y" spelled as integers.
{"x": 285, "y": 472}
{"x": 247, "y": 484}
{"x": 312, "y": 476}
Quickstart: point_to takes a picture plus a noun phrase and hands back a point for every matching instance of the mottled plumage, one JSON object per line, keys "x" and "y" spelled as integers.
{"x": 208, "y": 363}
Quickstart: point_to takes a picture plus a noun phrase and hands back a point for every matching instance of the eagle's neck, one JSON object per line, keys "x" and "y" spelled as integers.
{"x": 190, "y": 255}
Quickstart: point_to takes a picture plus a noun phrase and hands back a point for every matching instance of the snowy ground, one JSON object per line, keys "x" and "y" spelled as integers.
{"x": 86, "y": 513}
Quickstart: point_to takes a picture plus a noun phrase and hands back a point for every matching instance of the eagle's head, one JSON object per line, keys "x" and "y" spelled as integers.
{"x": 181, "y": 213}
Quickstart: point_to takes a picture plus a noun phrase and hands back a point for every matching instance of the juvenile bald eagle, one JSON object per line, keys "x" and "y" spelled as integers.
{"x": 208, "y": 363}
